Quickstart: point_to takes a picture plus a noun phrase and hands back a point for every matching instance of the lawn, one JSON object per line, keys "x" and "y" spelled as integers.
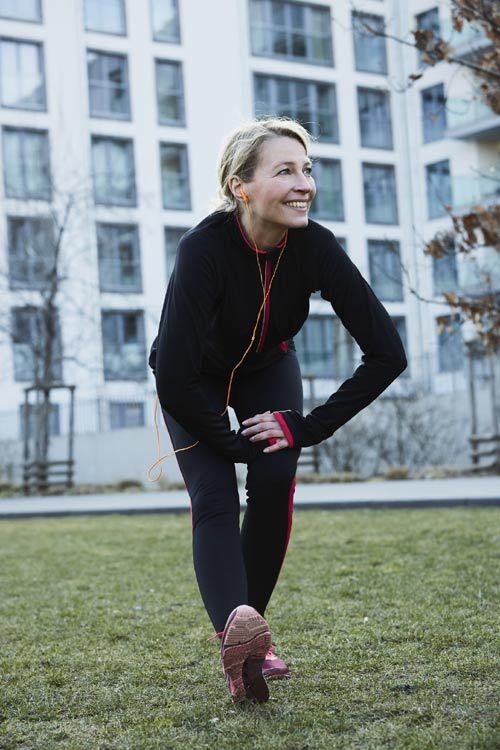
{"x": 388, "y": 620}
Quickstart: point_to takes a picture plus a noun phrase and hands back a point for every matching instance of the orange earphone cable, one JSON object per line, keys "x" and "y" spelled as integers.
{"x": 161, "y": 458}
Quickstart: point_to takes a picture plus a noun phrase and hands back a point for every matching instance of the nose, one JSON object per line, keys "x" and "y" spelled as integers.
{"x": 304, "y": 184}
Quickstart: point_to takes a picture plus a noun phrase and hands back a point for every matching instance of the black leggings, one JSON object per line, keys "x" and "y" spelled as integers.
{"x": 234, "y": 567}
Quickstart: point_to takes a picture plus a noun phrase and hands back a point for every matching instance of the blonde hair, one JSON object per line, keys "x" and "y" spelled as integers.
{"x": 241, "y": 151}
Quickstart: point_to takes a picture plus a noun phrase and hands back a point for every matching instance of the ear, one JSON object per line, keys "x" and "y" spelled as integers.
{"x": 236, "y": 187}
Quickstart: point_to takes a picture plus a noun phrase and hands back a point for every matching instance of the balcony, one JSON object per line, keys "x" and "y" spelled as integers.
{"x": 469, "y": 42}
{"x": 471, "y": 119}
{"x": 472, "y": 271}
{"x": 473, "y": 190}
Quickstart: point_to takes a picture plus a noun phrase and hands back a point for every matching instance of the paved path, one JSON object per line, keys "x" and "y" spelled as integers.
{"x": 471, "y": 491}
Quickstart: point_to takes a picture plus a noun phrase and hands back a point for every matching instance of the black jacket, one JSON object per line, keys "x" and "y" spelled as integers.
{"x": 209, "y": 313}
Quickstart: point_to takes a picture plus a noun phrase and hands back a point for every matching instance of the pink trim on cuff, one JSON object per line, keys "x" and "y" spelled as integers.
{"x": 284, "y": 426}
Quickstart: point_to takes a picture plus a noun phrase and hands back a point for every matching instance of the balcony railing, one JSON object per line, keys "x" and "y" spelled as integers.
{"x": 470, "y": 190}
{"x": 471, "y": 118}
{"x": 467, "y": 42}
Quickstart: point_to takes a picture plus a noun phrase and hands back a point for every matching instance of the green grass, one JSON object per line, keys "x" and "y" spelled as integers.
{"x": 387, "y": 620}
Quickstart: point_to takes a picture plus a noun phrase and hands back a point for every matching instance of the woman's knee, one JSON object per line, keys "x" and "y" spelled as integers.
{"x": 211, "y": 502}
{"x": 273, "y": 475}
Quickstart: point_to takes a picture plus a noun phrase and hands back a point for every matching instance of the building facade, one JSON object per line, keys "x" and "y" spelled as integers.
{"x": 113, "y": 114}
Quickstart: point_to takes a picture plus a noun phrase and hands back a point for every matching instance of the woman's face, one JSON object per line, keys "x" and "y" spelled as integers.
{"x": 282, "y": 187}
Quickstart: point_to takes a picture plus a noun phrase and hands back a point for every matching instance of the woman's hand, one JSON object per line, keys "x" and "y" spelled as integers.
{"x": 263, "y": 427}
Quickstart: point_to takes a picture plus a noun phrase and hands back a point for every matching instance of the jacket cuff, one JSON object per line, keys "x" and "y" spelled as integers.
{"x": 284, "y": 426}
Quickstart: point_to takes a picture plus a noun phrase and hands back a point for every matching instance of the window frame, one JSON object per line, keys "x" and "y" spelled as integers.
{"x": 391, "y": 170}
{"x": 425, "y": 131}
{"x": 166, "y": 40}
{"x": 114, "y": 228}
{"x": 38, "y": 20}
{"x": 386, "y": 96}
{"x": 170, "y": 257}
{"x": 109, "y": 139}
{"x": 119, "y": 342}
{"x": 357, "y": 34}
{"x": 320, "y": 212}
{"x": 30, "y": 282}
{"x": 24, "y": 133}
{"x": 288, "y": 30}
{"x": 442, "y": 352}
{"x": 181, "y": 123}
{"x": 183, "y": 149}
{"x": 312, "y": 98}
{"x": 372, "y": 246}
{"x": 429, "y": 189}
{"x": 32, "y": 312}
{"x": 108, "y": 87}
{"x": 41, "y": 63}
{"x": 105, "y": 31}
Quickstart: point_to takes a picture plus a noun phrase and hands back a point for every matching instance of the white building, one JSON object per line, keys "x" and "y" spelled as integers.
{"x": 123, "y": 105}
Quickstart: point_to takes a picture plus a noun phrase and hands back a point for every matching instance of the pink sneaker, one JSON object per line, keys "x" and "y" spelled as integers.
{"x": 245, "y": 642}
{"x": 273, "y": 666}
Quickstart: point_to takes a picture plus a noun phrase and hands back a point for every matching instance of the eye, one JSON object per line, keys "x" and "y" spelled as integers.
{"x": 308, "y": 170}
{"x": 283, "y": 170}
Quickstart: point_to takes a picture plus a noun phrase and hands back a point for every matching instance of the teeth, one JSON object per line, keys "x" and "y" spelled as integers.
{"x": 297, "y": 204}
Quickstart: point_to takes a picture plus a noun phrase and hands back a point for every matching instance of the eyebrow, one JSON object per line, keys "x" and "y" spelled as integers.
{"x": 308, "y": 162}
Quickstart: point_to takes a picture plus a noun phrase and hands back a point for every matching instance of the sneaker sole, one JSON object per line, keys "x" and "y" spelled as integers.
{"x": 245, "y": 644}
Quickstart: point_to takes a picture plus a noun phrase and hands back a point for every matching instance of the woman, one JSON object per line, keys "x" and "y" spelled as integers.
{"x": 238, "y": 294}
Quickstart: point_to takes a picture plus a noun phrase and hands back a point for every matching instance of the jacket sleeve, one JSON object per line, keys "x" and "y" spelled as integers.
{"x": 367, "y": 320}
{"x": 176, "y": 355}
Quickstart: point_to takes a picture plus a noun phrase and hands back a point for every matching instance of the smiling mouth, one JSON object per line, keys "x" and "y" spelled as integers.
{"x": 300, "y": 205}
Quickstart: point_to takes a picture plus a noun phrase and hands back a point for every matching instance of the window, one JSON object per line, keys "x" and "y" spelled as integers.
{"x": 123, "y": 345}
{"x": 444, "y": 269}
{"x": 293, "y": 31}
{"x": 108, "y": 85}
{"x": 119, "y": 258}
{"x": 450, "y": 343}
{"x": 429, "y": 21}
{"x": 172, "y": 239}
{"x": 433, "y": 112}
{"x": 375, "y": 124}
{"x": 26, "y": 164}
{"x": 125, "y": 414}
{"x": 114, "y": 174}
{"x": 328, "y": 203}
{"x": 21, "y": 10}
{"x": 31, "y": 252}
{"x": 314, "y": 104}
{"x": 400, "y": 324}
{"x": 106, "y": 16}
{"x": 438, "y": 181}
{"x": 166, "y": 27}
{"x": 379, "y": 185}
{"x": 175, "y": 176}
{"x": 385, "y": 270}
{"x": 54, "y": 420}
{"x": 170, "y": 93}
{"x": 325, "y": 348}
{"x": 22, "y": 77}
{"x": 369, "y": 49}
{"x": 28, "y": 339}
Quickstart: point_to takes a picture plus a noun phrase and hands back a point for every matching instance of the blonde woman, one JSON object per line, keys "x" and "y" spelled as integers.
{"x": 238, "y": 294}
